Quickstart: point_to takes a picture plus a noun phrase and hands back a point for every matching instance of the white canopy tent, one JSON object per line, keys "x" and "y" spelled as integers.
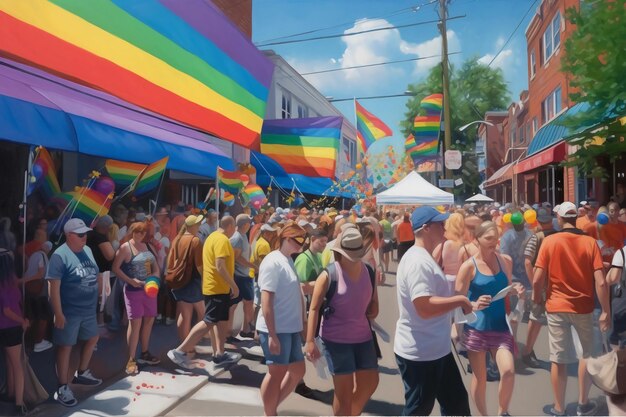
{"x": 479, "y": 198}
{"x": 413, "y": 189}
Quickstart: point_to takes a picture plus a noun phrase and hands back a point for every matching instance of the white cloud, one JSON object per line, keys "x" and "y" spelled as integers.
{"x": 500, "y": 42}
{"x": 505, "y": 60}
{"x": 371, "y": 48}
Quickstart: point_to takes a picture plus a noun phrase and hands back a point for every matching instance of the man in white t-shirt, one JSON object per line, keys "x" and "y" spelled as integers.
{"x": 422, "y": 342}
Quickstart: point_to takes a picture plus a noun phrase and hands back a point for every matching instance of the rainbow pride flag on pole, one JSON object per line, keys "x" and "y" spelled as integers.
{"x": 423, "y": 144}
{"x": 303, "y": 146}
{"x": 369, "y": 127}
{"x": 86, "y": 203}
{"x": 43, "y": 174}
{"x": 181, "y": 59}
{"x": 150, "y": 178}
{"x": 123, "y": 173}
{"x": 230, "y": 181}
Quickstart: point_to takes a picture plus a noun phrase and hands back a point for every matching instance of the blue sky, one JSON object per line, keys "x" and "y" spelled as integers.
{"x": 481, "y": 33}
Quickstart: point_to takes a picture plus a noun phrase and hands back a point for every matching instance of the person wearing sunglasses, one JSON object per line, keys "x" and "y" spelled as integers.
{"x": 281, "y": 319}
{"x": 133, "y": 264}
{"x": 74, "y": 283}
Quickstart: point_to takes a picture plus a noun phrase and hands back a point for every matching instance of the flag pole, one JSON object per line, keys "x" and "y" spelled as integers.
{"x": 217, "y": 195}
{"x": 157, "y": 194}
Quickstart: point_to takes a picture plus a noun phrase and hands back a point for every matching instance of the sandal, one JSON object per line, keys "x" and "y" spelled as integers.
{"x": 131, "y": 367}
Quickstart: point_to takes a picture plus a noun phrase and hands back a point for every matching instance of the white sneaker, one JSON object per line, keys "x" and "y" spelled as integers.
{"x": 65, "y": 396}
{"x": 41, "y": 346}
{"x": 169, "y": 321}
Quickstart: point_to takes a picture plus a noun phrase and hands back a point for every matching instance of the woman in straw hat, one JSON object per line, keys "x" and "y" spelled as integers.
{"x": 345, "y": 330}
{"x": 281, "y": 319}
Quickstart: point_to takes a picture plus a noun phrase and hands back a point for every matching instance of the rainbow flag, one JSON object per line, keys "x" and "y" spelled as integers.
{"x": 123, "y": 173}
{"x": 86, "y": 203}
{"x": 254, "y": 193}
{"x": 150, "y": 178}
{"x": 303, "y": 146}
{"x": 369, "y": 127}
{"x": 423, "y": 144}
{"x": 181, "y": 59}
{"x": 43, "y": 174}
{"x": 432, "y": 104}
{"x": 230, "y": 181}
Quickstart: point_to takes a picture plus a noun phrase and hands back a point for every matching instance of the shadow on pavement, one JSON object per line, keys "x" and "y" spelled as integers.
{"x": 388, "y": 371}
{"x": 570, "y": 409}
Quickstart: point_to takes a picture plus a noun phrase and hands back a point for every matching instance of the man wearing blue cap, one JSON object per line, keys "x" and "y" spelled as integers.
{"x": 422, "y": 343}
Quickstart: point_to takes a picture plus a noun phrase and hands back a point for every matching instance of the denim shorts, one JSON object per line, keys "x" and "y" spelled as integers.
{"x": 246, "y": 289}
{"x": 347, "y": 358}
{"x": 76, "y": 328}
{"x": 290, "y": 349}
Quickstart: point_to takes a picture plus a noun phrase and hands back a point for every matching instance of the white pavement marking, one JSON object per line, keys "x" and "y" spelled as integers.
{"x": 145, "y": 394}
{"x": 225, "y": 393}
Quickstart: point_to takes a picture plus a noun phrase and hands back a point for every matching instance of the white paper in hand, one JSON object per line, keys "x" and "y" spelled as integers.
{"x": 501, "y": 294}
{"x": 460, "y": 318}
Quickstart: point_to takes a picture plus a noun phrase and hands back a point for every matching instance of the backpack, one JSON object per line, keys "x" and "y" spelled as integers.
{"x": 326, "y": 311}
{"x": 179, "y": 271}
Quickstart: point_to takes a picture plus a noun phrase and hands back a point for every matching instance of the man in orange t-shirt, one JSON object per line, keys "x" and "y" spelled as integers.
{"x": 572, "y": 264}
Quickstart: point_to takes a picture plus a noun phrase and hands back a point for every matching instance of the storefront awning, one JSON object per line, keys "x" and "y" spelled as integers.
{"x": 554, "y": 132}
{"x": 505, "y": 173}
{"x": 548, "y": 156}
{"x": 36, "y": 109}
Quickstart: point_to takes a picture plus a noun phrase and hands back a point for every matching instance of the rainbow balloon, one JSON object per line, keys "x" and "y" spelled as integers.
{"x": 254, "y": 193}
{"x": 152, "y": 287}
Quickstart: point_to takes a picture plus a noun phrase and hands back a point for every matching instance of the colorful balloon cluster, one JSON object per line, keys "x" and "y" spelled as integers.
{"x": 254, "y": 195}
{"x": 152, "y": 287}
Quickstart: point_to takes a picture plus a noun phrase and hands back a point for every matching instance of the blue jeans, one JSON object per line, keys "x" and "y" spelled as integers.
{"x": 290, "y": 349}
{"x": 425, "y": 382}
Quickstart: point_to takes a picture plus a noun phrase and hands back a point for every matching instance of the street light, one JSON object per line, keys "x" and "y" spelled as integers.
{"x": 406, "y": 93}
{"x": 462, "y": 128}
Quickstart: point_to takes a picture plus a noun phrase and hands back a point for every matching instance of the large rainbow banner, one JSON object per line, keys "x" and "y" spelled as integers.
{"x": 369, "y": 127}
{"x": 303, "y": 146}
{"x": 180, "y": 59}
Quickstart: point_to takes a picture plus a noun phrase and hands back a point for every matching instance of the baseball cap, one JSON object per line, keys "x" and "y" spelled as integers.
{"x": 567, "y": 209}
{"x": 544, "y": 215}
{"x": 426, "y": 214}
{"x": 76, "y": 226}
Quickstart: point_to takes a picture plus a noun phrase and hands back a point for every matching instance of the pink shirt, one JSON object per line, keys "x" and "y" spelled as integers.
{"x": 348, "y": 323}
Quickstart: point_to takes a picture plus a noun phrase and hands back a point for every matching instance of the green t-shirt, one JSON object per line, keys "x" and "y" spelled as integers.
{"x": 308, "y": 266}
{"x": 387, "y": 229}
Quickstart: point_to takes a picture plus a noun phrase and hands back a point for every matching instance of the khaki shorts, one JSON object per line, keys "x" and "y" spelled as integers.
{"x": 561, "y": 338}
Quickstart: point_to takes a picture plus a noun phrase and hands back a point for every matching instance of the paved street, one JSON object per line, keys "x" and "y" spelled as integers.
{"x": 165, "y": 390}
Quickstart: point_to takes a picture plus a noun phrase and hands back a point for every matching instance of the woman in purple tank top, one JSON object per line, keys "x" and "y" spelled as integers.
{"x": 345, "y": 330}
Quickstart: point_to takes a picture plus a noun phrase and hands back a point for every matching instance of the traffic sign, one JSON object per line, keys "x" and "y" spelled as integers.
{"x": 446, "y": 183}
{"x": 453, "y": 159}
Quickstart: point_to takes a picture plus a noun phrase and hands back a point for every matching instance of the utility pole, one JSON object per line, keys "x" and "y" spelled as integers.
{"x": 447, "y": 133}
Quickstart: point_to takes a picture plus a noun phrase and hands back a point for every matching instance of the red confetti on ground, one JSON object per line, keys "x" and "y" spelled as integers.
{"x": 138, "y": 387}
{"x": 160, "y": 373}
{"x": 162, "y": 386}
{"x": 144, "y": 385}
{"x": 201, "y": 365}
{"x": 138, "y": 393}
{"x": 134, "y": 399}
{"x": 173, "y": 376}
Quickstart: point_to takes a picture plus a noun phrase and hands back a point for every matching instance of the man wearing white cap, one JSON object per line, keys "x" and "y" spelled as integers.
{"x": 572, "y": 264}
{"x": 74, "y": 284}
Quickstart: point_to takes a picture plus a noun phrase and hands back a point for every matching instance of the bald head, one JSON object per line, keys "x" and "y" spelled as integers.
{"x": 228, "y": 225}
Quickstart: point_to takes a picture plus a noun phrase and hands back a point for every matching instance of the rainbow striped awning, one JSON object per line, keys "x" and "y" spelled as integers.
{"x": 303, "y": 146}
{"x": 180, "y": 59}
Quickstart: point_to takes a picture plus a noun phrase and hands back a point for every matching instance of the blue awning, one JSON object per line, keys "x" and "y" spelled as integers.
{"x": 553, "y": 132}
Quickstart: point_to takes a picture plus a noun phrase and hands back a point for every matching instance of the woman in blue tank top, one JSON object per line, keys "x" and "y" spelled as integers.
{"x": 480, "y": 278}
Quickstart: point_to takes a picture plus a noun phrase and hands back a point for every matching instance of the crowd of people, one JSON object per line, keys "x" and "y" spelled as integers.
{"x": 308, "y": 284}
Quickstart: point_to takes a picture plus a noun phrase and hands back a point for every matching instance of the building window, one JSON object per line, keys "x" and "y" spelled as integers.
{"x": 286, "y": 106}
{"x": 552, "y": 37}
{"x": 529, "y": 133}
{"x": 535, "y": 126}
{"x": 303, "y": 112}
{"x": 532, "y": 64}
{"x": 521, "y": 135}
{"x": 551, "y": 106}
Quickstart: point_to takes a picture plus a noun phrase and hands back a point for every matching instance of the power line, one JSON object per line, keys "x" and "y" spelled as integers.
{"x": 308, "y": 32}
{"x": 340, "y": 35}
{"x": 377, "y": 64}
{"x": 512, "y": 33}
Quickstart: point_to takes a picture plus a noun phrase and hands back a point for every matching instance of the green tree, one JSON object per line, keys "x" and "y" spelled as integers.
{"x": 595, "y": 60}
{"x": 475, "y": 89}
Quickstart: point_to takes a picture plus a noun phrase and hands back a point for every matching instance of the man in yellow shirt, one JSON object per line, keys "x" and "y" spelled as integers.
{"x": 218, "y": 287}
{"x": 261, "y": 248}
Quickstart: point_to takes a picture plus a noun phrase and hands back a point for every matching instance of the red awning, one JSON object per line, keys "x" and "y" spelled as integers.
{"x": 505, "y": 173}
{"x": 554, "y": 154}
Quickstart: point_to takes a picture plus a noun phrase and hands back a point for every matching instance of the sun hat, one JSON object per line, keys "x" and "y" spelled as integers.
{"x": 567, "y": 209}
{"x": 76, "y": 226}
{"x": 350, "y": 244}
{"x": 426, "y": 214}
{"x": 192, "y": 220}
